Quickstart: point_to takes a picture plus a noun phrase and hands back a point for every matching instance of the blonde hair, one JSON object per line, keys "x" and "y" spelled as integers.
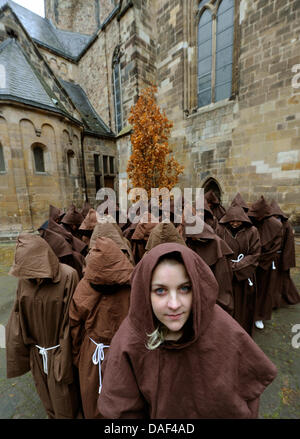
{"x": 156, "y": 338}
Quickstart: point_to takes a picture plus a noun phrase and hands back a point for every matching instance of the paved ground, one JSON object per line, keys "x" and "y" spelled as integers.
{"x": 281, "y": 400}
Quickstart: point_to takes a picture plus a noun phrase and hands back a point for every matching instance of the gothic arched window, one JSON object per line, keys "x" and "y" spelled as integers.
{"x": 215, "y": 50}
{"x": 116, "y": 71}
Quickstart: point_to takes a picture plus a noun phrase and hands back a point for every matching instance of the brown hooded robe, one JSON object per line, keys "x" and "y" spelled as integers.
{"x": 214, "y": 203}
{"x": 40, "y": 317}
{"x": 96, "y": 313}
{"x": 217, "y": 254}
{"x": 286, "y": 291}
{"x": 87, "y": 226}
{"x": 214, "y": 371}
{"x": 270, "y": 232}
{"x": 245, "y": 241}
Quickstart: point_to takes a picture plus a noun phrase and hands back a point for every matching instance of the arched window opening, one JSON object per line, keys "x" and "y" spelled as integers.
{"x": 39, "y": 162}
{"x": 71, "y": 160}
{"x": 117, "y": 89}
{"x": 2, "y": 162}
{"x": 215, "y": 50}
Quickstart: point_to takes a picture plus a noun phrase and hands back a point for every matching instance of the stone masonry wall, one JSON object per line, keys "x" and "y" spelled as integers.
{"x": 25, "y": 193}
{"x": 250, "y": 144}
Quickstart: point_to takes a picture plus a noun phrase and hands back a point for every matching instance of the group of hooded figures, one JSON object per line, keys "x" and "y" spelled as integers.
{"x": 82, "y": 314}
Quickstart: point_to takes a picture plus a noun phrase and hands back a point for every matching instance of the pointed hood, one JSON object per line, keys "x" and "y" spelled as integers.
{"x": 211, "y": 197}
{"x": 34, "y": 259}
{"x": 204, "y": 287}
{"x": 77, "y": 245}
{"x": 72, "y": 216}
{"x": 277, "y": 211}
{"x": 57, "y": 242}
{"x": 55, "y": 213}
{"x": 162, "y": 233}
{"x": 85, "y": 209}
{"x": 143, "y": 229}
{"x": 235, "y": 213}
{"x": 107, "y": 230}
{"x": 260, "y": 209}
{"x": 239, "y": 201}
{"x": 89, "y": 221}
{"x": 107, "y": 264}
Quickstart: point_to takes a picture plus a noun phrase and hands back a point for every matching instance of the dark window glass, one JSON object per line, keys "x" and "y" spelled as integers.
{"x": 105, "y": 167}
{"x": 96, "y": 163}
{"x": 39, "y": 159}
{"x": 2, "y": 162}
{"x": 97, "y": 182}
{"x": 112, "y": 165}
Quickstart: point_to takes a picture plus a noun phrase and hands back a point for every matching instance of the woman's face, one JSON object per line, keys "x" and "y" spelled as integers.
{"x": 171, "y": 297}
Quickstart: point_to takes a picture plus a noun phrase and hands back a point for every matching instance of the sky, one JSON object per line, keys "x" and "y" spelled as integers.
{"x": 36, "y": 6}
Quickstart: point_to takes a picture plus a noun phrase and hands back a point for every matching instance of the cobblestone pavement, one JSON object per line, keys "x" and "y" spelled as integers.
{"x": 281, "y": 400}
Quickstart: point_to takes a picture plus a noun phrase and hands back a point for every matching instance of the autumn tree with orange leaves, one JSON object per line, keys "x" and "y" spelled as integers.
{"x": 150, "y": 164}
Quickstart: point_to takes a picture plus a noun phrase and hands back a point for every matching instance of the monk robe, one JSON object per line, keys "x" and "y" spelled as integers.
{"x": 286, "y": 291}
{"x": 215, "y": 370}
{"x": 214, "y": 203}
{"x": 38, "y": 331}
{"x": 99, "y": 305}
{"x": 72, "y": 220}
{"x": 270, "y": 232}
{"x": 87, "y": 226}
{"x": 245, "y": 243}
{"x": 217, "y": 255}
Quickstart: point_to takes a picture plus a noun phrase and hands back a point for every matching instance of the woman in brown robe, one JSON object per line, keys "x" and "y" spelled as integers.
{"x": 286, "y": 291}
{"x": 99, "y": 304}
{"x": 211, "y": 369}
{"x": 236, "y": 229}
{"x": 270, "y": 232}
{"x": 38, "y": 331}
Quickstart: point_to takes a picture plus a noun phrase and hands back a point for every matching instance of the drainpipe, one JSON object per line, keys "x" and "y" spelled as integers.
{"x": 83, "y": 166}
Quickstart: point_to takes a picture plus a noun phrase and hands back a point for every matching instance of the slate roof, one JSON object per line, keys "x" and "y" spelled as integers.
{"x": 18, "y": 77}
{"x": 42, "y": 31}
{"x": 91, "y": 119}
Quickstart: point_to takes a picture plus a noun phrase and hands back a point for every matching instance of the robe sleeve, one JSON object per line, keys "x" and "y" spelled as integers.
{"x": 269, "y": 252}
{"x": 223, "y": 273}
{"x": 17, "y": 353}
{"x": 255, "y": 373}
{"x": 63, "y": 362}
{"x": 77, "y": 315}
{"x": 247, "y": 266}
{"x": 120, "y": 397}
{"x": 288, "y": 257}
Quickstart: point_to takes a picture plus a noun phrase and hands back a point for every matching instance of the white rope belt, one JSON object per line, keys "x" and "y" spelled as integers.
{"x": 240, "y": 257}
{"x": 43, "y": 353}
{"x": 98, "y": 357}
